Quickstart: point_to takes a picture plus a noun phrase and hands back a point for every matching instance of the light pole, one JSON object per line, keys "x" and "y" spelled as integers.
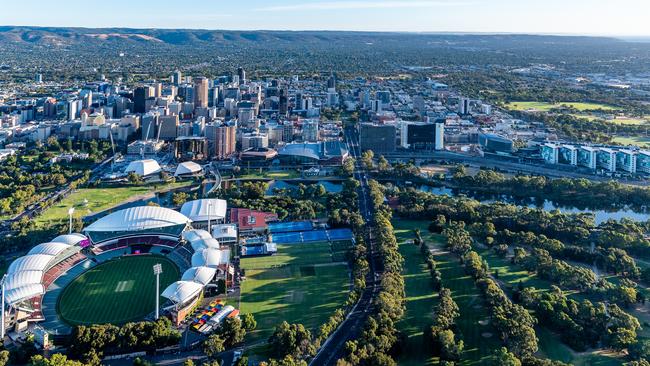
{"x": 157, "y": 270}
{"x": 209, "y": 209}
{"x": 70, "y": 212}
{"x": 2, "y": 316}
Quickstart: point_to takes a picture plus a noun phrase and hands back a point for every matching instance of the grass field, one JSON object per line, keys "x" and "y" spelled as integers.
{"x": 637, "y": 141}
{"x": 300, "y": 284}
{"x": 116, "y": 292}
{"x": 545, "y": 107}
{"x": 480, "y": 338}
{"x": 265, "y": 174}
{"x": 99, "y": 199}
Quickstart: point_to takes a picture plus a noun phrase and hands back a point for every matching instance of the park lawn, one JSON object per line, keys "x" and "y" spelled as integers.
{"x": 420, "y": 299}
{"x": 265, "y": 174}
{"x": 545, "y": 107}
{"x": 480, "y": 340}
{"x": 300, "y": 284}
{"x": 630, "y": 121}
{"x": 116, "y": 292}
{"x": 99, "y": 199}
{"x": 639, "y": 141}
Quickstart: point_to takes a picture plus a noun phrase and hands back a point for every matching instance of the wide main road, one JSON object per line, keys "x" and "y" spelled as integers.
{"x": 350, "y": 329}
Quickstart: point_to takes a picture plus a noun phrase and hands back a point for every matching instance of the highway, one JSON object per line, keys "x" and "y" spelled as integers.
{"x": 333, "y": 348}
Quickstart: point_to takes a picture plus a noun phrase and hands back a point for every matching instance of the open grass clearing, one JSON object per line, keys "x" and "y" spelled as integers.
{"x": 300, "y": 284}
{"x": 545, "y": 106}
{"x": 640, "y": 141}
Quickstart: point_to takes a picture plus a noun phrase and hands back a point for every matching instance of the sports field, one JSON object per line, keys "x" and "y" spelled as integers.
{"x": 87, "y": 201}
{"x": 116, "y": 292}
{"x": 300, "y": 284}
{"x": 639, "y": 141}
{"x": 545, "y": 107}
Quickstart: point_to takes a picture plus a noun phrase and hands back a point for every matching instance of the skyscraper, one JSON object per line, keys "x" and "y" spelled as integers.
{"x": 176, "y": 78}
{"x": 201, "y": 86}
{"x": 242, "y": 75}
{"x": 139, "y": 97}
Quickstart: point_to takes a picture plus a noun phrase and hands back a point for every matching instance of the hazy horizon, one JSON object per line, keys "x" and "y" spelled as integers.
{"x": 625, "y": 18}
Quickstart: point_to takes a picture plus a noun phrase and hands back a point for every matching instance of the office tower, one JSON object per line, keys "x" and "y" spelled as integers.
{"x": 139, "y": 99}
{"x": 284, "y": 102}
{"x": 331, "y": 82}
{"x": 384, "y": 97}
{"x": 378, "y": 138}
{"x": 71, "y": 110}
{"x": 213, "y": 97}
{"x": 149, "y": 124}
{"x": 38, "y": 78}
{"x": 157, "y": 90}
{"x": 87, "y": 97}
{"x": 463, "y": 106}
{"x": 222, "y": 140}
{"x": 242, "y": 75}
{"x": 168, "y": 127}
{"x": 310, "y": 130}
{"x": 201, "y": 86}
{"x": 177, "y": 78}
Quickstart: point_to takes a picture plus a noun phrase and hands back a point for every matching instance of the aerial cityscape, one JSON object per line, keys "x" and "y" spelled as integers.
{"x": 342, "y": 183}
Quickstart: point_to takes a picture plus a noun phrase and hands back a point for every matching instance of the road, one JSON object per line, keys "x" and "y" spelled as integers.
{"x": 333, "y": 348}
{"x": 514, "y": 167}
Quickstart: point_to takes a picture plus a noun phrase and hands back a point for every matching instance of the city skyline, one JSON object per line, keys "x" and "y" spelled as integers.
{"x": 579, "y": 17}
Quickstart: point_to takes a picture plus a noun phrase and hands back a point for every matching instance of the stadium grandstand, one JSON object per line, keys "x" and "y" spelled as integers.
{"x": 29, "y": 277}
{"x": 36, "y": 282}
{"x": 160, "y": 222}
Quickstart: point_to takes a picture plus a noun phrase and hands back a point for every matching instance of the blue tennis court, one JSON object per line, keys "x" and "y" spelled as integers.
{"x": 287, "y": 227}
{"x": 313, "y": 236}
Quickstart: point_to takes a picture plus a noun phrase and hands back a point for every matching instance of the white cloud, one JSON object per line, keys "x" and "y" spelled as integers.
{"x": 347, "y": 5}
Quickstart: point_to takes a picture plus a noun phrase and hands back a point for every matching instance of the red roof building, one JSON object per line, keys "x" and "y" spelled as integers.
{"x": 250, "y": 220}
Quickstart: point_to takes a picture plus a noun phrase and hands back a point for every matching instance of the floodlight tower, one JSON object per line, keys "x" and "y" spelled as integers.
{"x": 70, "y": 212}
{"x": 2, "y": 316}
{"x": 157, "y": 270}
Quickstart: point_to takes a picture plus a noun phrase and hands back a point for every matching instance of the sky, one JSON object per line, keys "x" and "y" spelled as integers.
{"x": 585, "y": 17}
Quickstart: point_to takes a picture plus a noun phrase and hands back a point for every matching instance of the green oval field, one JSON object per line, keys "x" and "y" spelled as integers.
{"x": 118, "y": 291}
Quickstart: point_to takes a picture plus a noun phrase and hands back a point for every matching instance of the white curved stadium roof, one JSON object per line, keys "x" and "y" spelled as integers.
{"x": 182, "y": 291}
{"x": 202, "y": 275}
{"x": 210, "y": 257}
{"x": 70, "y": 239}
{"x": 195, "y": 235}
{"x": 188, "y": 167}
{"x": 49, "y": 248}
{"x": 19, "y": 294}
{"x": 204, "y": 244}
{"x": 33, "y": 262}
{"x": 201, "y": 210}
{"x": 143, "y": 167}
{"x": 23, "y": 278}
{"x": 138, "y": 218}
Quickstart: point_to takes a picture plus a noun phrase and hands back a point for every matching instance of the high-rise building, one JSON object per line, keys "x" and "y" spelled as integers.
{"x": 177, "y": 78}
{"x": 284, "y": 102}
{"x": 384, "y": 97}
{"x": 331, "y": 82}
{"x": 38, "y": 78}
{"x": 378, "y": 138}
{"x": 242, "y": 75}
{"x": 201, "y": 86}
{"x": 463, "y": 106}
{"x": 222, "y": 140}
{"x": 168, "y": 127}
{"x": 140, "y": 96}
{"x": 310, "y": 130}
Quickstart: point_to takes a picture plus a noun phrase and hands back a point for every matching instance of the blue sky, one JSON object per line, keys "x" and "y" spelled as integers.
{"x": 594, "y": 17}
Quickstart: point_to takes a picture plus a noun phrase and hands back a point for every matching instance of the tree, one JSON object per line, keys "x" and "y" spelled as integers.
{"x": 232, "y": 332}
{"x": 502, "y": 357}
{"x": 249, "y": 322}
{"x": 179, "y": 198}
{"x": 188, "y": 362}
{"x": 57, "y": 359}
{"x": 291, "y": 339}
{"x": 213, "y": 345}
{"x": 134, "y": 178}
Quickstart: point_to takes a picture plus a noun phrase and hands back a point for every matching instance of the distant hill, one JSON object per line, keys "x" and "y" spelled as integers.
{"x": 53, "y": 36}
